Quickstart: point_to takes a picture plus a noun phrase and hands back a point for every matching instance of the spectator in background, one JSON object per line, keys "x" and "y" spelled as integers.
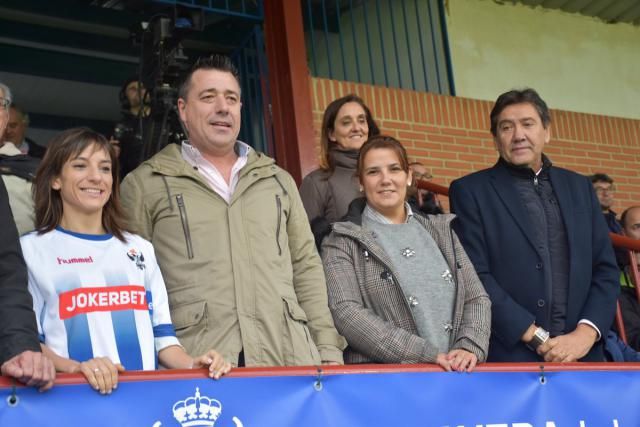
{"x": 326, "y": 192}
{"x": 231, "y": 236}
{"x": 630, "y": 221}
{"x": 16, "y": 133}
{"x": 537, "y": 238}
{"x": 127, "y": 134}
{"x": 605, "y": 189}
{"x": 420, "y": 200}
{"x": 17, "y": 170}
{"x": 20, "y": 355}
{"x": 401, "y": 288}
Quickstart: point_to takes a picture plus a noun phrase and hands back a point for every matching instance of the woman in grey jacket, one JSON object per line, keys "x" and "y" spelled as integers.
{"x": 326, "y": 192}
{"x": 401, "y": 288}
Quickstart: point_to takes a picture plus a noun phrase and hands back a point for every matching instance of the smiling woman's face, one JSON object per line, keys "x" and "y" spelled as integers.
{"x": 85, "y": 183}
{"x": 350, "y": 129}
{"x": 385, "y": 182}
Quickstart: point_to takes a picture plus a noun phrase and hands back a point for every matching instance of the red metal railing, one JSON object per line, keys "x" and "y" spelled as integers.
{"x": 70, "y": 379}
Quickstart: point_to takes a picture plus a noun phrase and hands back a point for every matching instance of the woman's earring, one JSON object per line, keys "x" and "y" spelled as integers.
{"x": 361, "y": 188}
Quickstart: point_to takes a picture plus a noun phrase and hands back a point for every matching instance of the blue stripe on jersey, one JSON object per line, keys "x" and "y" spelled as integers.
{"x": 41, "y": 338}
{"x": 126, "y": 335}
{"x": 150, "y": 303}
{"x": 165, "y": 330}
{"x": 78, "y": 338}
{"x": 77, "y": 327}
{"x": 95, "y": 237}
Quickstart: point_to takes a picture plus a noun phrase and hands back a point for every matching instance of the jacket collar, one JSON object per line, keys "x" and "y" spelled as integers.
{"x": 524, "y": 171}
{"x": 347, "y": 159}
{"x": 169, "y": 162}
{"x": 502, "y": 180}
{"x": 351, "y": 223}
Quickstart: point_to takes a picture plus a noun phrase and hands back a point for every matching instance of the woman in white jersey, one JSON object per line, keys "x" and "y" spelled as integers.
{"x": 98, "y": 294}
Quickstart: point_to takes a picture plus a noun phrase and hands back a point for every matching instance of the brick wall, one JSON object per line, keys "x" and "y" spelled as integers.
{"x": 450, "y": 135}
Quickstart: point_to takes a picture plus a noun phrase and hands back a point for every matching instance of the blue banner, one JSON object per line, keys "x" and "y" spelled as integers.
{"x": 426, "y": 399}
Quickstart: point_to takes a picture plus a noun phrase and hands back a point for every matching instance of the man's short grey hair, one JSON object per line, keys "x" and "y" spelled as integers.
{"x": 6, "y": 92}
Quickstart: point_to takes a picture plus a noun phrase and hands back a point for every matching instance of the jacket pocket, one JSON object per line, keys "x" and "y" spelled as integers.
{"x": 190, "y": 322}
{"x": 185, "y": 225}
{"x": 298, "y": 346}
{"x": 187, "y": 315}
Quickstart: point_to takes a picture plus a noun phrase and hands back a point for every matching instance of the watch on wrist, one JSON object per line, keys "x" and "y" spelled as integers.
{"x": 540, "y": 336}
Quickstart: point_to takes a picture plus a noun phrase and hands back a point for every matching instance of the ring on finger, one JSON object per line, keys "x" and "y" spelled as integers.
{"x": 96, "y": 370}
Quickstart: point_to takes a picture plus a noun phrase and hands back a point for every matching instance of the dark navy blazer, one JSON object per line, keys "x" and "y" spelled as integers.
{"x": 496, "y": 232}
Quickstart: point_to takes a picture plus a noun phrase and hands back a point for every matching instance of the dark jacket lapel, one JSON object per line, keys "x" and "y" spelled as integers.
{"x": 566, "y": 202}
{"x": 502, "y": 182}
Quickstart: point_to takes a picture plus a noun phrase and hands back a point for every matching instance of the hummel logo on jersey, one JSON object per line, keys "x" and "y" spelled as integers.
{"x": 138, "y": 258}
{"x": 80, "y": 260}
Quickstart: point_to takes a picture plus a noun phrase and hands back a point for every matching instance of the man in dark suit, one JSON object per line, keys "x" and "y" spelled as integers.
{"x": 20, "y": 353}
{"x": 538, "y": 240}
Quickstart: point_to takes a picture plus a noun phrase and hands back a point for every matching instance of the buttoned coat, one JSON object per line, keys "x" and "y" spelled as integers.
{"x": 371, "y": 311}
{"x": 497, "y": 233}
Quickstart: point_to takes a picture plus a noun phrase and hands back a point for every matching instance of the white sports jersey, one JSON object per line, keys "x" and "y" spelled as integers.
{"x": 95, "y": 296}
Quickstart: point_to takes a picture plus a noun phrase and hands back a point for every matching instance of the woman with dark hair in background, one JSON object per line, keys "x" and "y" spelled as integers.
{"x": 326, "y": 192}
{"x": 98, "y": 294}
{"x": 401, "y": 287}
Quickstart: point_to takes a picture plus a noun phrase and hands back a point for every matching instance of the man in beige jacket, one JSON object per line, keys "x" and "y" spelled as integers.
{"x": 231, "y": 236}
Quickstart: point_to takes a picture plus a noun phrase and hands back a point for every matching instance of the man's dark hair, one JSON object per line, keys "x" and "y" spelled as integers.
{"x": 519, "y": 96}
{"x": 122, "y": 95}
{"x": 212, "y": 62}
{"x": 600, "y": 177}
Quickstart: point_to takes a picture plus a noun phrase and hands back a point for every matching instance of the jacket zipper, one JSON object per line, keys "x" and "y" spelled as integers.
{"x": 279, "y": 207}
{"x": 185, "y": 225}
